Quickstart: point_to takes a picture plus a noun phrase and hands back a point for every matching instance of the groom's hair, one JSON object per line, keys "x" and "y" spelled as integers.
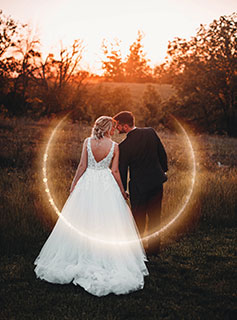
{"x": 125, "y": 117}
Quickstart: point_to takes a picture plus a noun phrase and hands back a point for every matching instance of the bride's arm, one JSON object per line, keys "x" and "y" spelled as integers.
{"x": 81, "y": 167}
{"x": 115, "y": 171}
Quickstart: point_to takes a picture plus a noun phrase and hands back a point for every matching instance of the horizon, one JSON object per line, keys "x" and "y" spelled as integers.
{"x": 92, "y": 22}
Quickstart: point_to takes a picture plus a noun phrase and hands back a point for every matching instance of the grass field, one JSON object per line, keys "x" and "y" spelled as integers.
{"x": 193, "y": 278}
{"x": 137, "y": 89}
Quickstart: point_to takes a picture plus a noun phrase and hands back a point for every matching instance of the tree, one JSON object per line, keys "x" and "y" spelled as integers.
{"x": 112, "y": 65}
{"x": 204, "y": 72}
{"x": 26, "y": 55}
{"x": 136, "y": 64}
{"x": 151, "y": 107}
{"x": 107, "y": 100}
{"x": 60, "y": 80}
{"x": 30, "y": 84}
{"x": 8, "y": 34}
{"x": 17, "y": 50}
{"x": 161, "y": 74}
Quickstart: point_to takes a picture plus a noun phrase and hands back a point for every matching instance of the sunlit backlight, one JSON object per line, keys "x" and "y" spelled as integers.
{"x": 157, "y": 233}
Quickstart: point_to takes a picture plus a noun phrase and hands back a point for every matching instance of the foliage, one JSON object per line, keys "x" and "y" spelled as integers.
{"x": 162, "y": 73}
{"x": 9, "y": 30}
{"x": 136, "y": 64}
{"x": 59, "y": 81}
{"x": 134, "y": 68}
{"x": 151, "y": 107}
{"x": 26, "y": 54}
{"x": 105, "y": 100}
{"x": 204, "y": 73}
{"x": 35, "y": 86}
{"x": 112, "y": 64}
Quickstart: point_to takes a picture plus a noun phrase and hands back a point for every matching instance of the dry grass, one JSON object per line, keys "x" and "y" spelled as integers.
{"x": 24, "y": 200}
{"x": 192, "y": 279}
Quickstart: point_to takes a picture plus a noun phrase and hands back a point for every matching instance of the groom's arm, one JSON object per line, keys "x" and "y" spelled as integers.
{"x": 163, "y": 156}
{"x": 161, "y": 153}
{"x": 123, "y": 166}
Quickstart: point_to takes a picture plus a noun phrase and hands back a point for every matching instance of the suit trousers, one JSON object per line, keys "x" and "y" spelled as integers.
{"x": 148, "y": 204}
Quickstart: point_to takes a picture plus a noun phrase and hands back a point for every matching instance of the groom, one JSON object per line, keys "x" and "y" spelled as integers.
{"x": 143, "y": 153}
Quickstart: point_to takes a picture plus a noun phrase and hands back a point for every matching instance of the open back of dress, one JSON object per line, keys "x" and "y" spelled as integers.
{"x": 99, "y": 247}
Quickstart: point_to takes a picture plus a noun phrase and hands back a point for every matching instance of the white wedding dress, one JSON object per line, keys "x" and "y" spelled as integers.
{"x": 98, "y": 247}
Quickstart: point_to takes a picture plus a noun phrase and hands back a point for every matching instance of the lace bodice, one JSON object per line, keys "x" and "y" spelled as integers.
{"x": 104, "y": 163}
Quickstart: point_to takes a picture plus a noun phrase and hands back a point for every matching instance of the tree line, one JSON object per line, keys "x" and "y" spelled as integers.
{"x": 202, "y": 70}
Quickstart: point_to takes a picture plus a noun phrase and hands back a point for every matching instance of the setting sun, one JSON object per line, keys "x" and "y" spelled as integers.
{"x": 92, "y": 21}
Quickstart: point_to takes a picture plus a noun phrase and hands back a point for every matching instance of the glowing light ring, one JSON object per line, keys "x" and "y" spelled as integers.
{"x": 155, "y": 234}
{"x": 188, "y": 196}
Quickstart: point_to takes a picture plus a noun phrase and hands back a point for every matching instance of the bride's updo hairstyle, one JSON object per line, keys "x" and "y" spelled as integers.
{"x": 101, "y": 126}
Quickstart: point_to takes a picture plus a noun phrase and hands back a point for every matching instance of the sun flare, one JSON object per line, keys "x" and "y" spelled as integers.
{"x": 157, "y": 233}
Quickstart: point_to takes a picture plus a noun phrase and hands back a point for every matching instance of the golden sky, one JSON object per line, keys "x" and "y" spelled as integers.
{"x": 94, "y": 20}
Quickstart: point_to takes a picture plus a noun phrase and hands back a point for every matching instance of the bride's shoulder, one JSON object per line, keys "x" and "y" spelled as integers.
{"x": 85, "y": 142}
{"x": 114, "y": 143}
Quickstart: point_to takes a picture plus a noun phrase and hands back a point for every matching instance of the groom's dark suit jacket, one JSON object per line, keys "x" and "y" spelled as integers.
{"x": 143, "y": 153}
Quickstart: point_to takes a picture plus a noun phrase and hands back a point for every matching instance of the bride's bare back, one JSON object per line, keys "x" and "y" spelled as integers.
{"x": 100, "y": 148}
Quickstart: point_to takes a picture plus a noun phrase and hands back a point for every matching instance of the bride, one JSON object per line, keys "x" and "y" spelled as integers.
{"x": 99, "y": 247}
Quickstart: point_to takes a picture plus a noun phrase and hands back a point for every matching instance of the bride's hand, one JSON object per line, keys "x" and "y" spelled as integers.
{"x": 125, "y": 195}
